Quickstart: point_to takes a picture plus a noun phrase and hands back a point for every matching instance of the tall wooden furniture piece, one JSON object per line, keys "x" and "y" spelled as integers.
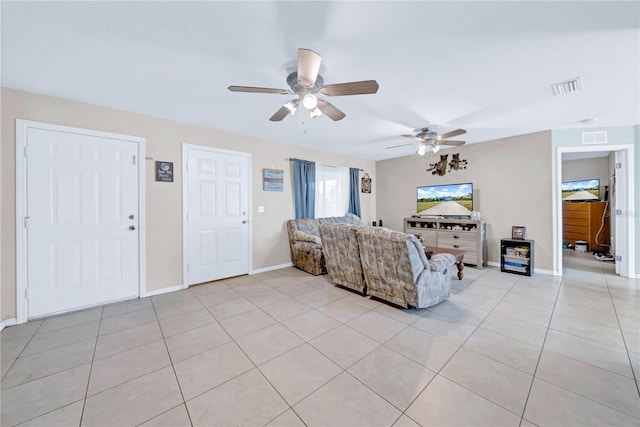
{"x": 464, "y": 234}
{"x": 582, "y": 221}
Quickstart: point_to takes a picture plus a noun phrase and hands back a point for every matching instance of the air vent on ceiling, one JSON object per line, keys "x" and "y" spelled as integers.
{"x": 567, "y": 86}
{"x": 594, "y": 138}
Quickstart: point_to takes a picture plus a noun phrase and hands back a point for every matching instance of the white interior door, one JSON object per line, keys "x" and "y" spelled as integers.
{"x": 217, "y": 220}
{"x": 82, "y": 227}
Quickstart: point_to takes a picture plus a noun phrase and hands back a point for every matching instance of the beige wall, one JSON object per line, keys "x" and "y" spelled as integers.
{"x": 511, "y": 181}
{"x": 163, "y": 200}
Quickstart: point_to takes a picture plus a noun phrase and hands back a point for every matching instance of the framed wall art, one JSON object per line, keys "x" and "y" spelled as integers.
{"x": 366, "y": 183}
{"x": 518, "y": 232}
{"x": 164, "y": 171}
{"x": 272, "y": 179}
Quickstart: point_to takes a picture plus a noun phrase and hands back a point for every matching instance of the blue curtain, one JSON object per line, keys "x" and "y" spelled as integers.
{"x": 304, "y": 188}
{"x": 354, "y": 192}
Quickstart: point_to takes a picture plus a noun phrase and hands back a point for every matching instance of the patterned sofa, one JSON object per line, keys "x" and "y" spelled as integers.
{"x": 342, "y": 255}
{"x": 305, "y": 243}
{"x": 396, "y": 268}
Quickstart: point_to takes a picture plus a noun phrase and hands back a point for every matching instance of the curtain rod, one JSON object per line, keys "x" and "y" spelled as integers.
{"x": 291, "y": 159}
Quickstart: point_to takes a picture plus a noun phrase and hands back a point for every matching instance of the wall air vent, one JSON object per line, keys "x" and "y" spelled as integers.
{"x": 567, "y": 86}
{"x": 594, "y": 138}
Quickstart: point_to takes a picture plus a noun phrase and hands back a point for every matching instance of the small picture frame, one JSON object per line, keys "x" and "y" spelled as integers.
{"x": 366, "y": 183}
{"x": 518, "y": 232}
{"x": 164, "y": 171}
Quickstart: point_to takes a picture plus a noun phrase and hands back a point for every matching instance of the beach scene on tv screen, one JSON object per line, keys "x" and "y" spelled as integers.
{"x": 588, "y": 189}
{"x": 440, "y": 199}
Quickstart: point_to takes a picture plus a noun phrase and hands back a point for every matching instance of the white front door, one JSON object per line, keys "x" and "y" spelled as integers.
{"x": 82, "y": 226}
{"x": 217, "y": 220}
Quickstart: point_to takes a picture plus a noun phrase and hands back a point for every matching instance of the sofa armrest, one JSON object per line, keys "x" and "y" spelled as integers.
{"x": 441, "y": 262}
{"x": 300, "y": 245}
{"x": 301, "y": 236}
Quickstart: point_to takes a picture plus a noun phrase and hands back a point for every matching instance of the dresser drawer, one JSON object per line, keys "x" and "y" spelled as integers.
{"x": 576, "y": 229}
{"x": 575, "y": 208}
{"x": 575, "y": 214}
{"x": 457, "y": 240}
{"x": 429, "y": 237}
{"x": 572, "y": 237}
{"x": 470, "y": 258}
{"x": 583, "y": 222}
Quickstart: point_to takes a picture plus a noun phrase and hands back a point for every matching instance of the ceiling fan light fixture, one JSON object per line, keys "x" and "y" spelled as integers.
{"x": 435, "y": 148}
{"x": 422, "y": 149}
{"x": 292, "y": 106}
{"x": 309, "y": 101}
{"x": 315, "y": 113}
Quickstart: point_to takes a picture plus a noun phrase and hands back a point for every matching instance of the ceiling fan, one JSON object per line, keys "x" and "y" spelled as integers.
{"x": 308, "y": 84}
{"x": 433, "y": 140}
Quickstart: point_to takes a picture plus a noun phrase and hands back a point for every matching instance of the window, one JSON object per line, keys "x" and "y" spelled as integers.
{"x": 332, "y": 190}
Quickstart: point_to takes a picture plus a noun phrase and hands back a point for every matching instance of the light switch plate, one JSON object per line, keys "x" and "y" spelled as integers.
{"x": 260, "y": 209}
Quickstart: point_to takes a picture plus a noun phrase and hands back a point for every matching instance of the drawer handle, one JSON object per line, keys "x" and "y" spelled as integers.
{"x": 456, "y": 237}
{"x": 456, "y": 246}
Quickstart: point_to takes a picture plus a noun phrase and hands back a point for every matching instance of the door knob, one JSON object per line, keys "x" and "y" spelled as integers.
{"x": 244, "y": 221}
{"x": 132, "y": 227}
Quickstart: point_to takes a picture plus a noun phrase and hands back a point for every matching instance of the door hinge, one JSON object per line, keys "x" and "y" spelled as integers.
{"x": 187, "y": 216}
{"x": 26, "y": 151}
{"x": 618, "y": 257}
{"x": 26, "y": 221}
{"x": 26, "y": 293}
{"x": 618, "y": 211}
{"x": 134, "y": 160}
{"x": 618, "y": 165}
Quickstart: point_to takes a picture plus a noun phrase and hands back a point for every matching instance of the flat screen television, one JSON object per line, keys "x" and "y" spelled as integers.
{"x": 445, "y": 200}
{"x": 581, "y": 190}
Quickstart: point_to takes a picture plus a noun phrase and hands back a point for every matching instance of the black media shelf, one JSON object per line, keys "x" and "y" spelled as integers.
{"x": 516, "y": 256}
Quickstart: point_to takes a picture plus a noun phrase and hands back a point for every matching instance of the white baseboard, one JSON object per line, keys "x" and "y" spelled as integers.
{"x": 271, "y": 268}
{"x": 8, "y": 322}
{"x": 162, "y": 291}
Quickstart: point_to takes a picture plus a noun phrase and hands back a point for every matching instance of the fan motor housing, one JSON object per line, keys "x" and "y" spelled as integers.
{"x": 292, "y": 81}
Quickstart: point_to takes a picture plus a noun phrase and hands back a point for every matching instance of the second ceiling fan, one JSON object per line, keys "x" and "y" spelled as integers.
{"x": 430, "y": 139}
{"x": 308, "y": 84}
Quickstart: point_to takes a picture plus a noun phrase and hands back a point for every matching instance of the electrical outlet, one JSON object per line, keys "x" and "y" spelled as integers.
{"x": 260, "y": 209}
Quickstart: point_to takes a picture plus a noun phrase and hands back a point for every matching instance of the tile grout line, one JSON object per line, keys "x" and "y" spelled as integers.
{"x": 93, "y": 356}
{"x": 173, "y": 368}
{"x": 544, "y": 340}
{"x": 624, "y": 340}
{"x": 438, "y": 373}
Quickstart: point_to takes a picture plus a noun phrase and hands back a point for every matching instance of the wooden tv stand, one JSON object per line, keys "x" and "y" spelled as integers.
{"x": 464, "y": 234}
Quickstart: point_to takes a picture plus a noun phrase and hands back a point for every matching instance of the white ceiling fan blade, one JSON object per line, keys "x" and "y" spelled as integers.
{"x": 308, "y": 67}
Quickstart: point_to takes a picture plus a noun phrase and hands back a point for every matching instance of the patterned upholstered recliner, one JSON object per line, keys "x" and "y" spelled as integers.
{"x": 396, "y": 268}
{"x": 342, "y": 255}
{"x": 305, "y": 244}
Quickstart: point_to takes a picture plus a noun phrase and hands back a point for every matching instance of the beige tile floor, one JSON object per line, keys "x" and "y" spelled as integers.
{"x": 284, "y": 348}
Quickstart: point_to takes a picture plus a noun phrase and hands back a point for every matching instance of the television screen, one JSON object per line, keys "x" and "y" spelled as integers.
{"x": 586, "y": 189}
{"x": 445, "y": 200}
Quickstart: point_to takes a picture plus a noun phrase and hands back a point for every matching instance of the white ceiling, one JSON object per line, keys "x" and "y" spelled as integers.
{"x": 486, "y": 67}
